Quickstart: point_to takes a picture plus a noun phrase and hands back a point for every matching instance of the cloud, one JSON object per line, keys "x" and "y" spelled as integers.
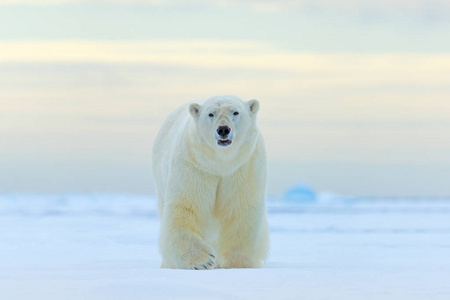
{"x": 223, "y": 54}
{"x": 381, "y": 6}
{"x": 51, "y": 2}
{"x": 349, "y": 5}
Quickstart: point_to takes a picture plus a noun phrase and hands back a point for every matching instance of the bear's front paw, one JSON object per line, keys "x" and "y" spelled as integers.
{"x": 200, "y": 259}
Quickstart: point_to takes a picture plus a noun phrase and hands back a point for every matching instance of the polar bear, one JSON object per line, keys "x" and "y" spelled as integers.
{"x": 209, "y": 164}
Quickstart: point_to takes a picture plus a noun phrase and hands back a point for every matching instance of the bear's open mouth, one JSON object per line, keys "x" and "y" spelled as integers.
{"x": 224, "y": 142}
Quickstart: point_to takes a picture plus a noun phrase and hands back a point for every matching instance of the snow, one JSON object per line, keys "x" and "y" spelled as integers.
{"x": 102, "y": 246}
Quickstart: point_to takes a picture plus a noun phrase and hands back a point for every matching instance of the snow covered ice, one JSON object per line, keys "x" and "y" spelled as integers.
{"x": 102, "y": 246}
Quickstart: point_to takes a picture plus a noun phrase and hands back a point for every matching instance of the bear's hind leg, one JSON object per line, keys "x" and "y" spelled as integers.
{"x": 244, "y": 239}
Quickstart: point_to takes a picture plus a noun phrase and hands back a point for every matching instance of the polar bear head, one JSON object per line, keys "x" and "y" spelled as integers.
{"x": 223, "y": 121}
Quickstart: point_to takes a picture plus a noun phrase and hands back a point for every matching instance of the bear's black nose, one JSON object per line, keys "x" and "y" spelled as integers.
{"x": 223, "y": 131}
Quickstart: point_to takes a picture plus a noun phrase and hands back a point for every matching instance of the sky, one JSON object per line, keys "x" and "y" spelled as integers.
{"x": 354, "y": 95}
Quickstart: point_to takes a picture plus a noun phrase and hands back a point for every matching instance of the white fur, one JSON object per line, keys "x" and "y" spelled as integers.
{"x": 211, "y": 199}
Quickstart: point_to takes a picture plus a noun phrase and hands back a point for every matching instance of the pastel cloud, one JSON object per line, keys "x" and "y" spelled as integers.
{"x": 221, "y": 54}
{"x": 268, "y": 5}
{"x": 393, "y": 80}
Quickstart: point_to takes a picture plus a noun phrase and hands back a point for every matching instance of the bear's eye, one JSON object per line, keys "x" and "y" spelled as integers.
{"x": 235, "y": 113}
{"x": 211, "y": 115}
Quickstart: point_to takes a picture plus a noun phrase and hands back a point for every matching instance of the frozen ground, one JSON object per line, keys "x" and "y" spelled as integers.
{"x": 105, "y": 247}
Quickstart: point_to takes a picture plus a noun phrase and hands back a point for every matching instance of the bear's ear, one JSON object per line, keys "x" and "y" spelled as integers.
{"x": 254, "y": 105}
{"x": 194, "y": 109}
